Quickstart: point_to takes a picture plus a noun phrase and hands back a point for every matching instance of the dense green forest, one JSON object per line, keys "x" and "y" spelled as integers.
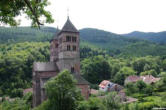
{"x": 120, "y": 45}
{"x": 16, "y": 60}
{"x": 104, "y": 55}
{"x": 158, "y": 37}
{"x": 22, "y": 34}
{"x": 113, "y": 43}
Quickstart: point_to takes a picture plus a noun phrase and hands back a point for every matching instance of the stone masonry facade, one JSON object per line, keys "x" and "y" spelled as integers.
{"x": 64, "y": 54}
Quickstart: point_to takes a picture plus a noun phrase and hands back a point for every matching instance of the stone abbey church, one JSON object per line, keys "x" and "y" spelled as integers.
{"x": 64, "y": 54}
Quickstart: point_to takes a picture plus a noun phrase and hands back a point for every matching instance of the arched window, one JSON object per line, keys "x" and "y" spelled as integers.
{"x": 72, "y": 70}
{"x": 56, "y": 45}
{"x": 74, "y": 48}
{"x": 68, "y": 47}
{"x": 68, "y": 38}
{"x": 74, "y": 39}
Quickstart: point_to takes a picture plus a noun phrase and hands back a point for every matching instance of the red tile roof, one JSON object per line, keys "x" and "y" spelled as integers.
{"x": 149, "y": 79}
{"x": 104, "y": 83}
{"x": 133, "y": 78}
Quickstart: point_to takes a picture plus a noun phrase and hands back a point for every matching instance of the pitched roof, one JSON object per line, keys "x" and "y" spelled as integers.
{"x": 133, "y": 78}
{"x": 104, "y": 83}
{"x": 149, "y": 79}
{"x": 80, "y": 79}
{"x": 45, "y": 66}
{"x": 69, "y": 27}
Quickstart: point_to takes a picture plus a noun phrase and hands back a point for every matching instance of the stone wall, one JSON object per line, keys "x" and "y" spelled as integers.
{"x": 68, "y": 64}
{"x": 65, "y": 54}
{"x": 69, "y": 59}
{"x": 54, "y": 50}
{"x": 85, "y": 90}
{"x": 39, "y": 79}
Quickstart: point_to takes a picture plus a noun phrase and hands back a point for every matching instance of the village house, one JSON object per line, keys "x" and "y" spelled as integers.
{"x": 106, "y": 85}
{"x": 64, "y": 54}
{"x": 132, "y": 79}
{"x": 148, "y": 79}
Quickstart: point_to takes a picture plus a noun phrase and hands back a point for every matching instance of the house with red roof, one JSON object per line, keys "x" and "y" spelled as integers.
{"x": 132, "y": 78}
{"x": 106, "y": 85}
{"x": 148, "y": 79}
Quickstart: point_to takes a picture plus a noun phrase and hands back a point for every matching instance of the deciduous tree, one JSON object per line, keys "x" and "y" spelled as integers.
{"x": 62, "y": 92}
{"x": 34, "y": 9}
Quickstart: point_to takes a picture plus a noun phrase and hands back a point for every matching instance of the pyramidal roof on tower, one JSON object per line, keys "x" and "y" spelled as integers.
{"x": 69, "y": 27}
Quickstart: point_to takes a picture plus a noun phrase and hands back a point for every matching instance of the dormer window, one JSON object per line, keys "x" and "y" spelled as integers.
{"x": 74, "y": 39}
{"x": 68, "y": 38}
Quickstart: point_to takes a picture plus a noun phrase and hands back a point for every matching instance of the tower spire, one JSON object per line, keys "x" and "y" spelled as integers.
{"x": 57, "y": 23}
{"x": 68, "y": 13}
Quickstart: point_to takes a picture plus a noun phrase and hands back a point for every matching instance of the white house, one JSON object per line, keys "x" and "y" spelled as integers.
{"x": 106, "y": 85}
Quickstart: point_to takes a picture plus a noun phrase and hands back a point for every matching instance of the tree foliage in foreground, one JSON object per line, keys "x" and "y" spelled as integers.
{"x": 17, "y": 103}
{"x": 96, "y": 69}
{"x": 111, "y": 101}
{"x": 62, "y": 93}
{"x": 16, "y": 61}
{"x": 34, "y": 9}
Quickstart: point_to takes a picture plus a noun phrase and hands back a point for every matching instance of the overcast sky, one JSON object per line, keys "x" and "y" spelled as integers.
{"x": 118, "y": 16}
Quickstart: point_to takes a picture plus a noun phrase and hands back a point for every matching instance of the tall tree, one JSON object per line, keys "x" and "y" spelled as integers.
{"x": 112, "y": 101}
{"x": 96, "y": 69}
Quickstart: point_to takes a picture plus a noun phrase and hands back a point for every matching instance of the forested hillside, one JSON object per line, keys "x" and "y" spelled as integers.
{"x": 22, "y": 34}
{"x": 158, "y": 37}
{"x": 16, "y": 61}
{"x": 114, "y": 44}
{"x": 105, "y": 39}
{"x": 119, "y": 45}
{"x": 104, "y": 56}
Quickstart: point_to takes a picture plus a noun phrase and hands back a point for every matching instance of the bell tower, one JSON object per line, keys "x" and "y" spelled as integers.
{"x": 69, "y": 51}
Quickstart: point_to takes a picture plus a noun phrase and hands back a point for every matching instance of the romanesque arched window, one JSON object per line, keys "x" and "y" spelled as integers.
{"x": 68, "y": 38}
{"x": 74, "y": 48}
{"x": 74, "y": 39}
{"x": 56, "y": 45}
{"x": 72, "y": 70}
{"x": 68, "y": 47}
